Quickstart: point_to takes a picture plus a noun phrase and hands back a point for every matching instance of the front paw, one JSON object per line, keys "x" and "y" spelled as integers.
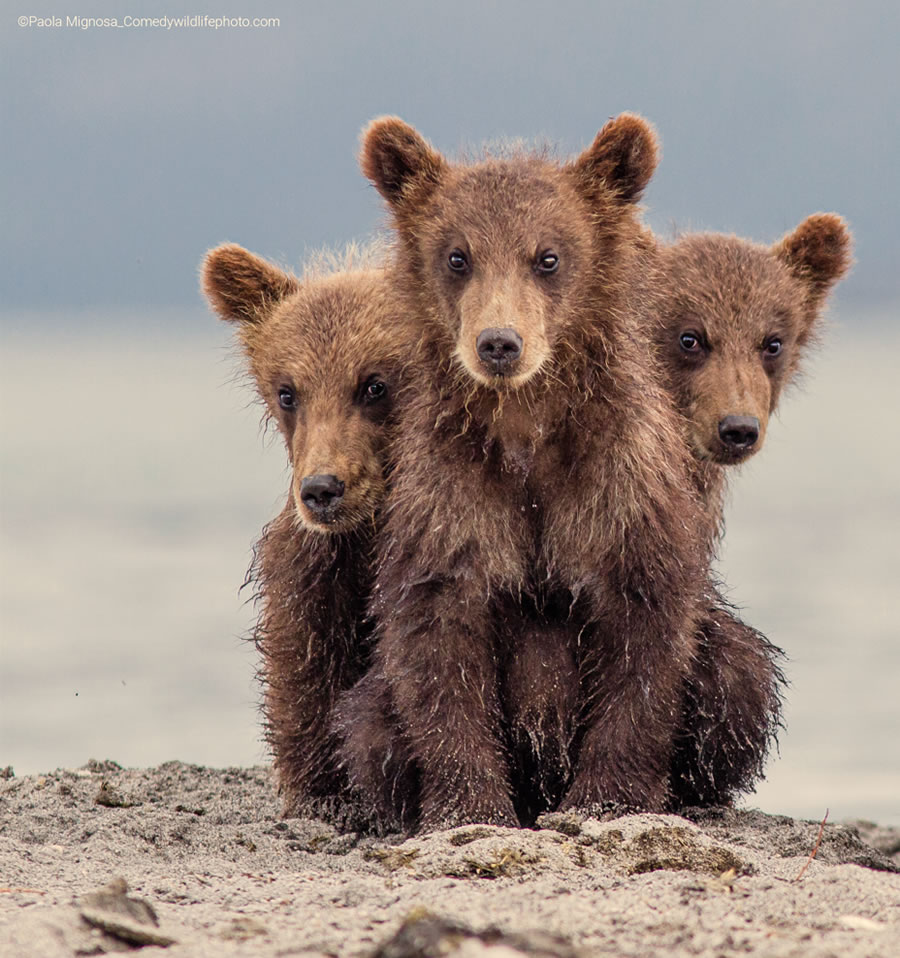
{"x": 344, "y": 812}
{"x": 600, "y": 797}
{"x": 443, "y": 814}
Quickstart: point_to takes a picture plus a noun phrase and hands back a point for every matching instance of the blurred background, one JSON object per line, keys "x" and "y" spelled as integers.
{"x": 134, "y": 475}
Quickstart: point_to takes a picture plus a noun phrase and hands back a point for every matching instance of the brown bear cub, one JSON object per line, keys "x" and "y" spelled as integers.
{"x": 326, "y": 354}
{"x": 541, "y": 472}
{"x": 731, "y": 322}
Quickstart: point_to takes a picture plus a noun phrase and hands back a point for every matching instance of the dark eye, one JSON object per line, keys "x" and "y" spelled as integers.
{"x": 547, "y": 262}
{"x": 458, "y": 261}
{"x": 772, "y": 348}
{"x": 690, "y": 342}
{"x": 287, "y": 398}
{"x": 374, "y": 390}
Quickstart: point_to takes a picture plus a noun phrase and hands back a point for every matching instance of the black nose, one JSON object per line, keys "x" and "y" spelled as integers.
{"x": 320, "y": 493}
{"x": 498, "y": 349}
{"x": 739, "y": 432}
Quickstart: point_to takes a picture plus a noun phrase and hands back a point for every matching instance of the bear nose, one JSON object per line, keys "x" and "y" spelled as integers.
{"x": 319, "y": 493}
{"x": 498, "y": 349}
{"x": 739, "y": 432}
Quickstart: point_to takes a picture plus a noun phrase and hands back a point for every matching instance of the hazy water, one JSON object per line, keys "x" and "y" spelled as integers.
{"x": 134, "y": 479}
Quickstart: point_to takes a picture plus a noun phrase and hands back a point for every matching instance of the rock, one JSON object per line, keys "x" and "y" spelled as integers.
{"x": 131, "y": 920}
{"x": 424, "y": 935}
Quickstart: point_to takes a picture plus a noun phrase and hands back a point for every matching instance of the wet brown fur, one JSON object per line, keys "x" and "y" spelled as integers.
{"x": 324, "y": 337}
{"x": 731, "y": 711}
{"x": 559, "y": 490}
{"x": 735, "y": 297}
{"x": 538, "y": 693}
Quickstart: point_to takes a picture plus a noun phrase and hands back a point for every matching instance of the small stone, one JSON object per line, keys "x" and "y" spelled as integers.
{"x": 861, "y": 923}
{"x": 243, "y": 929}
{"x": 567, "y": 823}
{"x": 132, "y": 920}
{"x": 110, "y": 798}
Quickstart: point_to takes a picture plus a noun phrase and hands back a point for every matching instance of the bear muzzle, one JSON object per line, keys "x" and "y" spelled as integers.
{"x": 739, "y": 436}
{"x": 321, "y": 495}
{"x": 499, "y": 350}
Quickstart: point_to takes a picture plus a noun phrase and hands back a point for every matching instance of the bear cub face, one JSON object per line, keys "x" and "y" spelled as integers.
{"x": 732, "y": 323}
{"x": 501, "y": 277}
{"x": 503, "y": 245}
{"x": 325, "y": 355}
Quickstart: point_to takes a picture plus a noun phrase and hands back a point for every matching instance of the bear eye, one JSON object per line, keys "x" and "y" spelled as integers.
{"x": 690, "y": 342}
{"x": 547, "y": 263}
{"x": 374, "y": 390}
{"x": 772, "y": 347}
{"x": 287, "y": 398}
{"x": 458, "y": 261}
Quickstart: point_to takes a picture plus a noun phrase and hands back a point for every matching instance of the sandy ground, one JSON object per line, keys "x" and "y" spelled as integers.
{"x": 210, "y": 870}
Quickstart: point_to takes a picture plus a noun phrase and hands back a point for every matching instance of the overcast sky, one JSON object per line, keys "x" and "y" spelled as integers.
{"x": 128, "y": 152}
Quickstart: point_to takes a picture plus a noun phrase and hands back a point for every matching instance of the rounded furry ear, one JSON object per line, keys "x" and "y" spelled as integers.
{"x": 394, "y": 156}
{"x": 622, "y": 158}
{"x": 242, "y": 287}
{"x": 818, "y": 251}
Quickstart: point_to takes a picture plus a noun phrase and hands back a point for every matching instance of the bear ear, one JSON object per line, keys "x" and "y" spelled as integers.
{"x": 242, "y": 287}
{"x": 818, "y": 251}
{"x": 395, "y": 158}
{"x": 622, "y": 158}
